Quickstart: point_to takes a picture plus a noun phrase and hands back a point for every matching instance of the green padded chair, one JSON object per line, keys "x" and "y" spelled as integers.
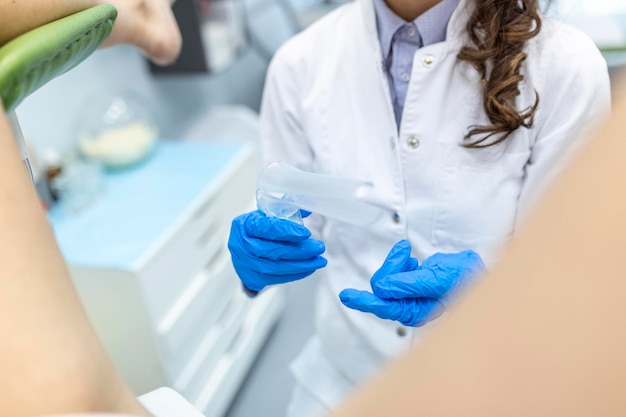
{"x": 40, "y": 55}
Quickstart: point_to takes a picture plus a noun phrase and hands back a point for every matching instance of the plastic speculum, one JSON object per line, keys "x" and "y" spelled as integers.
{"x": 282, "y": 191}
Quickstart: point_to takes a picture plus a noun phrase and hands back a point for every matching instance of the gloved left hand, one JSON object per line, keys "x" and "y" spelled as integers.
{"x": 412, "y": 294}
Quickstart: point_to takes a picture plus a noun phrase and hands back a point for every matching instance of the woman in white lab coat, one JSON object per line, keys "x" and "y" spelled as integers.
{"x": 458, "y": 143}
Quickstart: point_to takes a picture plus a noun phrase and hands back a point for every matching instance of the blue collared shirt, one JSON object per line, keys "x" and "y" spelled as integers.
{"x": 400, "y": 39}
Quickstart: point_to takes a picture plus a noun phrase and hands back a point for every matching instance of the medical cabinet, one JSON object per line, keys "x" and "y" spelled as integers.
{"x": 150, "y": 262}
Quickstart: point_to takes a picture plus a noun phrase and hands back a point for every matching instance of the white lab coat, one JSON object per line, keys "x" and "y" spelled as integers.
{"x": 327, "y": 108}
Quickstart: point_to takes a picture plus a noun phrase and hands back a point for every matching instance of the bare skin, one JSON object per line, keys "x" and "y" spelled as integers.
{"x": 52, "y": 360}
{"x": 409, "y": 10}
{"x": 147, "y": 24}
{"x": 90, "y": 415}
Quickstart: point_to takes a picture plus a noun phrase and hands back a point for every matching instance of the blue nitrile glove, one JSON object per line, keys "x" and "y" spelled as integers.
{"x": 268, "y": 250}
{"x": 413, "y": 294}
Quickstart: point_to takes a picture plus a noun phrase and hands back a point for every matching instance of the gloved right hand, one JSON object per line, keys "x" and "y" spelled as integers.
{"x": 268, "y": 250}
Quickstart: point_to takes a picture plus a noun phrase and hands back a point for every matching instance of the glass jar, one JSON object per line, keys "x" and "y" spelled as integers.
{"x": 117, "y": 130}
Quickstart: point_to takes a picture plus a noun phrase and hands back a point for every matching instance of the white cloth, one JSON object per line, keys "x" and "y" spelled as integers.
{"x": 327, "y": 108}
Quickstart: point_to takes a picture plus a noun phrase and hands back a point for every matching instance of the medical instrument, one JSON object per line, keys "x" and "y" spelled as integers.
{"x": 282, "y": 191}
{"x": 21, "y": 143}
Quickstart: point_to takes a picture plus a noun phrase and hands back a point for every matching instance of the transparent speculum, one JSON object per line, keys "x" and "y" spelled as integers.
{"x": 282, "y": 191}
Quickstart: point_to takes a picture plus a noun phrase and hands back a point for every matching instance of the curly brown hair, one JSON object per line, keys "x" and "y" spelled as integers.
{"x": 498, "y": 30}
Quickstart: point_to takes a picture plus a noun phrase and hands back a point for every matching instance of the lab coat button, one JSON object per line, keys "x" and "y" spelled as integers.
{"x": 428, "y": 60}
{"x": 392, "y": 142}
{"x": 395, "y": 217}
{"x": 401, "y": 331}
{"x": 413, "y": 142}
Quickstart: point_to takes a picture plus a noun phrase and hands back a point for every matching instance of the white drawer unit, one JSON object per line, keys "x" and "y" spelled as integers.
{"x": 150, "y": 262}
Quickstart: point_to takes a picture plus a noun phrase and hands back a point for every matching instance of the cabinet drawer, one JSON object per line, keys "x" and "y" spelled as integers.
{"x": 176, "y": 265}
{"x": 215, "y": 343}
{"x": 214, "y": 394}
{"x": 195, "y": 240}
{"x": 202, "y": 305}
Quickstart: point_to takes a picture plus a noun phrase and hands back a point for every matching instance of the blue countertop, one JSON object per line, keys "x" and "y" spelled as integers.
{"x": 137, "y": 205}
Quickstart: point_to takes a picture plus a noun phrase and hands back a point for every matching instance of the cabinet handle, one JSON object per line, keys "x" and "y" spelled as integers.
{"x": 205, "y": 207}
{"x": 209, "y": 234}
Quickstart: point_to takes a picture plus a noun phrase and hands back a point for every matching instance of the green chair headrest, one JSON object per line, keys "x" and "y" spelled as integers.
{"x": 38, "y": 56}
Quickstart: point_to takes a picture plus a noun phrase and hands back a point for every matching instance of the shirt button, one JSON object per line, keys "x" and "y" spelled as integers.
{"x": 411, "y": 31}
{"x": 401, "y": 331}
{"x": 413, "y": 142}
{"x": 395, "y": 217}
{"x": 428, "y": 60}
{"x": 405, "y": 77}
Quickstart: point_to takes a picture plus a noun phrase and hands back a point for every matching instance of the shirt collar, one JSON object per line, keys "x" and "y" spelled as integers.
{"x": 431, "y": 25}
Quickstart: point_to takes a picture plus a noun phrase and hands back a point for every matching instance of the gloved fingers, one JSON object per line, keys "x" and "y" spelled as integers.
{"x": 256, "y": 224}
{"x": 259, "y": 262}
{"x": 413, "y": 312}
{"x": 256, "y": 282}
{"x": 287, "y": 267}
{"x": 439, "y": 275}
{"x": 277, "y": 250}
{"x": 411, "y": 265}
{"x": 466, "y": 262}
{"x": 420, "y": 283}
{"x": 397, "y": 259}
{"x": 277, "y": 257}
{"x": 255, "y": 247}
{"x": 283, "y": 279}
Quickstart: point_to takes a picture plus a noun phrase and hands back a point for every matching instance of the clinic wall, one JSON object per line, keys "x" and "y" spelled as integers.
{"x": 50, "y": 117}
